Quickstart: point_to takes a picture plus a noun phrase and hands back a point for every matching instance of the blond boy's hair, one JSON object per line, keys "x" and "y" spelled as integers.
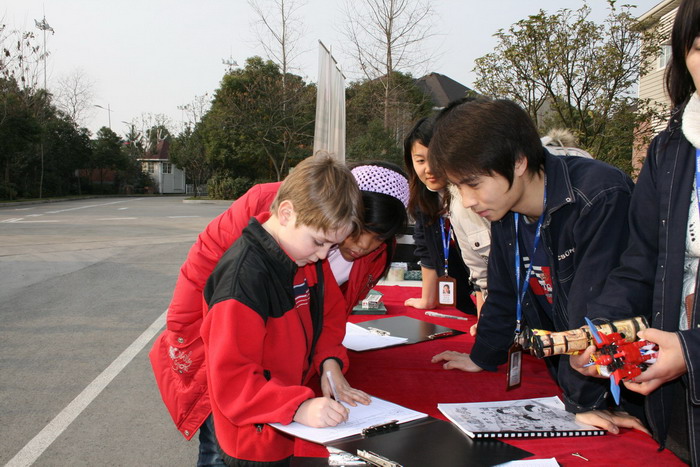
{"x": 324, "y": 194}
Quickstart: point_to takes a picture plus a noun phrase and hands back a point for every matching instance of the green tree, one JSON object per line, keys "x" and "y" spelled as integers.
{"x": 258, "y": 126}
{"x": 367, "y": 136}
{"x": 568, "y": 71}
{"x": 107, "y": 155}
{"x": 188, "y": 153}
{"x": 133, "y": 142}
{"x": 19, "y": 129}
{"x": 67, "y": 149}
{"x": 375, "y": 143}
{"x": 41, "y": 148}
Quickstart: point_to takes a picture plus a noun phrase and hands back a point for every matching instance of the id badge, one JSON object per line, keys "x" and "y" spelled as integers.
{"x": 446, "y": 291}
{"x": 515, "y": 365}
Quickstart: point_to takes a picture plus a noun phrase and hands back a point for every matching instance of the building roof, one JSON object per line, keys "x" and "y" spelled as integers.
{"x": 162, "y": 152}
{"x": 441, "y": 89}
{"x": 660, "y": 9}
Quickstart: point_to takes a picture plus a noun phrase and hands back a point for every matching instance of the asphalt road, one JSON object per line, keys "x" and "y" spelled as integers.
{"x": 83, "y": 290}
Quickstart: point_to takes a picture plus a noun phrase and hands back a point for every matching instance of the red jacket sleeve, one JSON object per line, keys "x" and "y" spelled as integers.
{"x": 234, "y": 338}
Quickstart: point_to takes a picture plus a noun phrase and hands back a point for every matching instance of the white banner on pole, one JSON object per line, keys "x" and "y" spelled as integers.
{"x": 329, "y": 132}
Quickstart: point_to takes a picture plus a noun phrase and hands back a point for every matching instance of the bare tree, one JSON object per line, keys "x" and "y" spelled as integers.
{"x": 195, "y": 110}
{"x": 279, "y": 29}
{"x": 149, "y": 129}
{"x": 20, "y": 57}
{"x": 387, "y": 36}
{"x": 75, "y": 94}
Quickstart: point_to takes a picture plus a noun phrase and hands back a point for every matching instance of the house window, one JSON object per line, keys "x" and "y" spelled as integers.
{"x": 149, "y": 167}
{"x": 167, "y": 168}
{"x": 664, "y": 56}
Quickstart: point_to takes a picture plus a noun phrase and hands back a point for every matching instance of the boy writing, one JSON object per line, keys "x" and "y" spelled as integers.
{"x": 558, "y": 227}
{"x": 269, "y": 321}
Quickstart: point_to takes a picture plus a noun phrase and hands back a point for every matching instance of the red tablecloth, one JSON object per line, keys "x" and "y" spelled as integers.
{"x": 405, "y": 375}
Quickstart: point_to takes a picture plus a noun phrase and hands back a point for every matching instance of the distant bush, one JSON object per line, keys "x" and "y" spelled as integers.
{"x": 224, "y": 186}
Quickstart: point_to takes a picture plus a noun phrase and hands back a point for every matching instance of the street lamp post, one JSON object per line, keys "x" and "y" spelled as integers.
{"x": 43, "y": 26}
{"x": 109, "y": 114}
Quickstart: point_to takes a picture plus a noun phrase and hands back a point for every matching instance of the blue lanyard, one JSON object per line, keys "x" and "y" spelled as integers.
{"x": 445, "y": 240}
{"x": 522, "y": 289}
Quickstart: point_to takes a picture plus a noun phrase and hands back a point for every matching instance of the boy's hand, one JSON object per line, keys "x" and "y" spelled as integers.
{"x": 670, "y": 363}
{"x": 321, "y": 412}
{"x": 456, "y": 360}
{"x": 346, "y": 393}
{"x": 611, "y": 421}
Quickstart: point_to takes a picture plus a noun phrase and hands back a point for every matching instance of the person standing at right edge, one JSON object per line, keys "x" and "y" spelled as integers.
{"x": 657, "y": 277}
{"x": 558, "y": 227}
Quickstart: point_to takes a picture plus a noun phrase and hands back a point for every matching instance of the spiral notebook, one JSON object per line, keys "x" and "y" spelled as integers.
{"x": 543, "y": 417}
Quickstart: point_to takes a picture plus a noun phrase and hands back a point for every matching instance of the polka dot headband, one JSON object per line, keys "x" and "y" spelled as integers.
{"x": 382, "y": 180}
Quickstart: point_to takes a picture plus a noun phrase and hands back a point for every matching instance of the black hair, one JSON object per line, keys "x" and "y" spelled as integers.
{"x": 420, "y": 200}
{"x": 484, "y": 136}
{"x": 384, "y": 214}
{"x": 686, "y": 28}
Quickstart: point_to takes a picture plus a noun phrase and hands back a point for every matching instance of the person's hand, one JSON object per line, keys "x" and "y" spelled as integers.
{"x": 611, "y": 421}
{"x": 579, "y": 361}
{"x": 419, "y": 303}
{"x": 670, "y": 363}
{"x": 472, "y": 330}
{"x": 456, "y": 360}
{"x": 346, "y": 393}
{"x": 321, "y": 412}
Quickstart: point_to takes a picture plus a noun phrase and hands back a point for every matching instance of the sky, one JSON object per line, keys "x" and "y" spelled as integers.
{"x": 151, "y": 56}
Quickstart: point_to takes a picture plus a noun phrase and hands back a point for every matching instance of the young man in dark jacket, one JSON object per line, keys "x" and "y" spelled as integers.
{"x": 559, "y": 225}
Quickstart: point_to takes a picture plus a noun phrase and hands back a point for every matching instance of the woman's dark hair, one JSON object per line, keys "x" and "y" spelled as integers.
{"x": 384, "y": 214}
{"x": 421, "y": 200}
{"x": 686, "y": 28}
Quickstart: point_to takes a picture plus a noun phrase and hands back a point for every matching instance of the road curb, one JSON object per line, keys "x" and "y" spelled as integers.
{"x": 208, "y": 201}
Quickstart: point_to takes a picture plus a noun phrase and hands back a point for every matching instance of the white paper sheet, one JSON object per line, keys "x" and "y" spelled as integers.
{"x": 377, "y": 412}
{"x": 358, "y": 339}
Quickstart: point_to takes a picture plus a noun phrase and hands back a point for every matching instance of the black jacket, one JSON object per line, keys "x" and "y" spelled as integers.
{"x": 650, "y": 278}
{"x": 583, "y": 233}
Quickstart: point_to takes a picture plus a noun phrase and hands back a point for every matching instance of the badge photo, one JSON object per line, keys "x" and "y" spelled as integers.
{"x": 446, "y": 291}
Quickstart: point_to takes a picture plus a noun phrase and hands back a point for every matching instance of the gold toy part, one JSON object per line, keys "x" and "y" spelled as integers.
{"x": 543, "y": 343}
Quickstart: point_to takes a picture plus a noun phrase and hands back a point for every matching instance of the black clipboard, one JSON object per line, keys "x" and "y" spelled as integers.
{"x": 415, "y": 330}
{"x": 430, "y": 441}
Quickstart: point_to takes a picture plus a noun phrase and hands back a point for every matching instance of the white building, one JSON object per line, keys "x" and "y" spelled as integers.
{"x": 167, "y": 178}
